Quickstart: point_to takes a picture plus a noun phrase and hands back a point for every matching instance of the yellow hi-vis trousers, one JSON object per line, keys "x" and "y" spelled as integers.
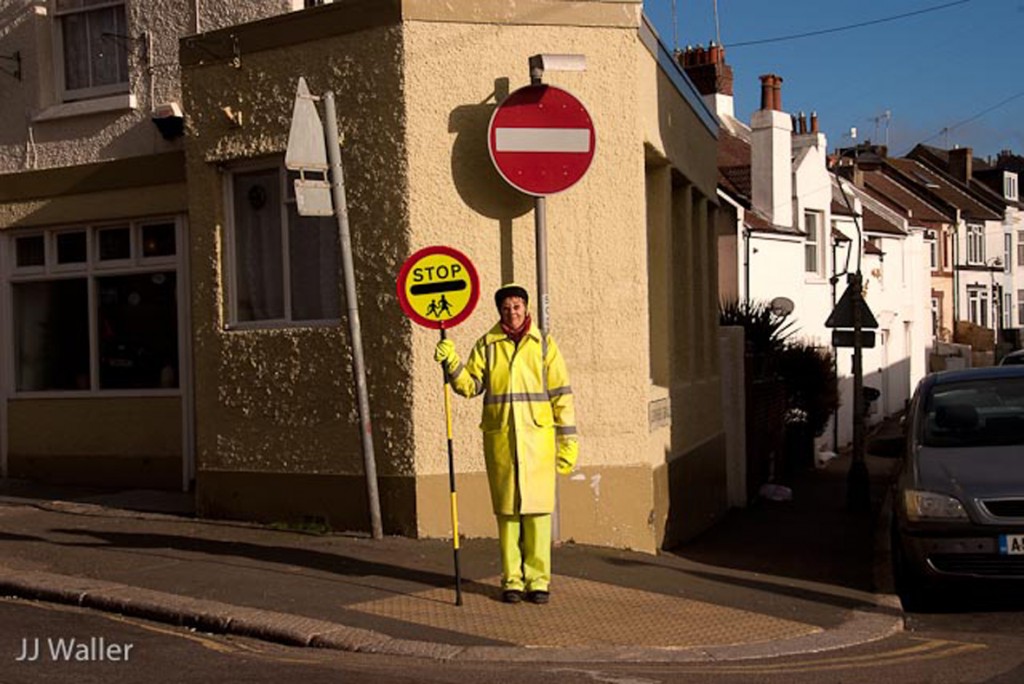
{"x": 525, "y": 551}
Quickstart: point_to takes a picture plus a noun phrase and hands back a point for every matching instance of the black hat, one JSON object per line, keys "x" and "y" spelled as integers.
{"x": 510, "y": 290}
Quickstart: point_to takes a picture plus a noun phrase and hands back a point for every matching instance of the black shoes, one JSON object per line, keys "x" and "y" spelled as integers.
{"x": 517, "y": 596}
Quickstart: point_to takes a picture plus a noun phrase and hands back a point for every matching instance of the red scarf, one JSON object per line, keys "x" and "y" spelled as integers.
{"x": 517, "y": 334}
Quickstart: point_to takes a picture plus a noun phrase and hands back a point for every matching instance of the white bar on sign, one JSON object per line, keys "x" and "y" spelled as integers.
{"x": 542, "y": 140}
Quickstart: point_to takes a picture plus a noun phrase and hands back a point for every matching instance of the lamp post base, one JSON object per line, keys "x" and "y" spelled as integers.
{"x": 858, "y": 493}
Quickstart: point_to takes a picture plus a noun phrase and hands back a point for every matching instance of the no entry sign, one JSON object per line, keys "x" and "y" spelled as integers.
{"x": 438, "y": 287}
{"x": 541, "y": 140}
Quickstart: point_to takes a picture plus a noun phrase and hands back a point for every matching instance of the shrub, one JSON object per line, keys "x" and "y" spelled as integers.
{"x": 812, "y": 392}
{"x": 764, "y": 330}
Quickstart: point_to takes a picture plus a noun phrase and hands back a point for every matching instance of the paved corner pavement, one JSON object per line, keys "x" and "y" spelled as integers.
{"x": 777, "y": 578}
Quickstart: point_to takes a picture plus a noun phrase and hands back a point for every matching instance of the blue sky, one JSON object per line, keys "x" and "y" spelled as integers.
{"x": 931, "y": 71}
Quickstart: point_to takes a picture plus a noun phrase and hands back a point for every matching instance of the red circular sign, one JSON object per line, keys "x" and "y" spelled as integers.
{"x": 438, "y": 287}
{"x": 541, "y": 140}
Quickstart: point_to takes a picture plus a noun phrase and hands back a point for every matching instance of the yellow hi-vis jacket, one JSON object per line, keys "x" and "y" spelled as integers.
{"x": 521, "y": 417}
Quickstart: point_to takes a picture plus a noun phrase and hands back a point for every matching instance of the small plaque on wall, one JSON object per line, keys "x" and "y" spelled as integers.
{"x": 659, "y": 413}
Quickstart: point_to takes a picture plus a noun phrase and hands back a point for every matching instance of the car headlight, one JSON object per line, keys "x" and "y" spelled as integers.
{"x": 932, "y": 506}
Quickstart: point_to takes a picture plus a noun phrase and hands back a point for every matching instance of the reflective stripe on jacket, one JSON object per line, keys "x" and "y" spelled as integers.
{"x": 521, "y": 417}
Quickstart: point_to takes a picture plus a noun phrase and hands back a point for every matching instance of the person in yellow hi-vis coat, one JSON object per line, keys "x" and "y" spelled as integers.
{"x": 529, "y": 427}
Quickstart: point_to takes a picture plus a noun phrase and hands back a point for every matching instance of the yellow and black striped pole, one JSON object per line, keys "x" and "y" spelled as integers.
{"x": 451, "y": 482}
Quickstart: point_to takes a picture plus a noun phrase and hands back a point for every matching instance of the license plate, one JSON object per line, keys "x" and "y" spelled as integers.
{"x": 1011, "y": 544}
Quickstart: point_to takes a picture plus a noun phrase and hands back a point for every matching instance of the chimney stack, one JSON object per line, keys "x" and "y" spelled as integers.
{"x": 707, "y": 69}
{"x": 961, "y": 161}
{"x": 771, "y": 152}
{"x": 711, "y": 76}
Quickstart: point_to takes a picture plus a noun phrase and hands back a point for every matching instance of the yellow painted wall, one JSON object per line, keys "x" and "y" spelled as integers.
{"x": 417, "y": 85}
{"x": 282, "y": 399}
{"x": 130, "y": 427}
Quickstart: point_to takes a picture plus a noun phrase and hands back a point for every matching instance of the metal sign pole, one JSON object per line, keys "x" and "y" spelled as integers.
{"x": 359, "y": 368}
{"x": 858, "y": 485}
{"x": 540, "y": 216}
{"x": 451, "y": 483}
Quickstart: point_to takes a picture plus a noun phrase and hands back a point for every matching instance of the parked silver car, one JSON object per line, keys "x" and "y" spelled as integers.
{"x": 1013, "y": 359}
{"x": 958, "y": 502}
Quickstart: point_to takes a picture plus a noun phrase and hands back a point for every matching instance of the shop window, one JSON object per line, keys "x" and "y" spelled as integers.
{"x": 115, "y": 244}
{"x": 285, "y": 267}
{"x": 51, "y": 335}
{"x": 158, "y": 240}
{"x": 30, "y": 251}
{"x": 92, "y": 47}
{"x": 95, "y": 308}
{"x": 72, "y": 248}
{"x": 138, "y": 331}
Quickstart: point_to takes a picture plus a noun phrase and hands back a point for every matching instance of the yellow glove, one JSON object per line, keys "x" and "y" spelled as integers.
{"x": 445, "y": 354}
{"x": 568, "y": 452}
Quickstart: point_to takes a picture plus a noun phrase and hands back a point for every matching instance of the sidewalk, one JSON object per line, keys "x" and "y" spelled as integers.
{"x": 777, "y": 578}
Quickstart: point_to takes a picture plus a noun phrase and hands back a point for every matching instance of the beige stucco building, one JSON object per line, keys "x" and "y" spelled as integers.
{"x": 267, "y": 398}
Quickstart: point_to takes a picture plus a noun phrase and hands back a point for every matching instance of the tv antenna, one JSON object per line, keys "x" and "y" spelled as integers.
{"x": 885, "y": 116}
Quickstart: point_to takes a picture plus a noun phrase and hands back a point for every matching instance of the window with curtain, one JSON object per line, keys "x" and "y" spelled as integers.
{"x": 285, "y": 267}
{"x": 92, "y": 47}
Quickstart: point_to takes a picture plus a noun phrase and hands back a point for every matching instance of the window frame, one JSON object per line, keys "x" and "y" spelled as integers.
{"x": 287, "y": 194}
{"x": 65, "y": 94}
{"x": 814, "y": 243}
{"x": 92, "y": 270}
{"x": 975, "y": 244}
{"x": 977, "y": 305}
{"x": 1010, "y": 187}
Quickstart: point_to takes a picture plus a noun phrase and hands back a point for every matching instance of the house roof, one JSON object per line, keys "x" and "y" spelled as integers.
{"x": 945, "y": 188}
{"x": 758, "y": 223}
{"x": 875, "y": 216}
{"x": 734, "y": 166}
{"x": 939, "y": 159}
{"x": 875, "y": 222}
{"x": 838, "y": 236}
{"x": 898, "y": 197}
{"x": 839, "y": 207}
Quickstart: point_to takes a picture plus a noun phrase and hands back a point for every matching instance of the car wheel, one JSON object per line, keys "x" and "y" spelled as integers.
{"x": 914, "y": 588}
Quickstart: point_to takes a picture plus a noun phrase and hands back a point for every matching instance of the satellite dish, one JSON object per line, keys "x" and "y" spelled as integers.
{"x": 782, "y": 306}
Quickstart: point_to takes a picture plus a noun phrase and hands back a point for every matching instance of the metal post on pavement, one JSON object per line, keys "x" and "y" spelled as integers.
{"x": 359, "y": 368}
{"x": 540, "y": 222}
{"x": 451, "y": 482}
{"x": 857, "y": 482}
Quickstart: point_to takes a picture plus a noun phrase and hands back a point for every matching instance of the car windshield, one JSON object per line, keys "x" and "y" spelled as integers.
{"x": 975, "y": 413}
{"x": 1015, "y": 359}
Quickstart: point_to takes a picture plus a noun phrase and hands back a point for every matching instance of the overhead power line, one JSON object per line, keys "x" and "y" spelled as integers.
{"x": 973, "y": 117}
{"x": 848, "y": 27}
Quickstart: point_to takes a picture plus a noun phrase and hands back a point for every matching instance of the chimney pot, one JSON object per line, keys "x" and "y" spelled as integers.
{"x": 803, "y": 123}
{"x": 767, "y": 98}
{"x": 777, "y": 88}
{"x": 814, "y": 122}
{"x": 714, "y": 53}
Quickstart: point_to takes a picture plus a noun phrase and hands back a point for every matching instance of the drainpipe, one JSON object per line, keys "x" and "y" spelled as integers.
{"x": 956, "y": 273}
{"x": 835, "y": 350}
{"x": 746, "y": 266}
